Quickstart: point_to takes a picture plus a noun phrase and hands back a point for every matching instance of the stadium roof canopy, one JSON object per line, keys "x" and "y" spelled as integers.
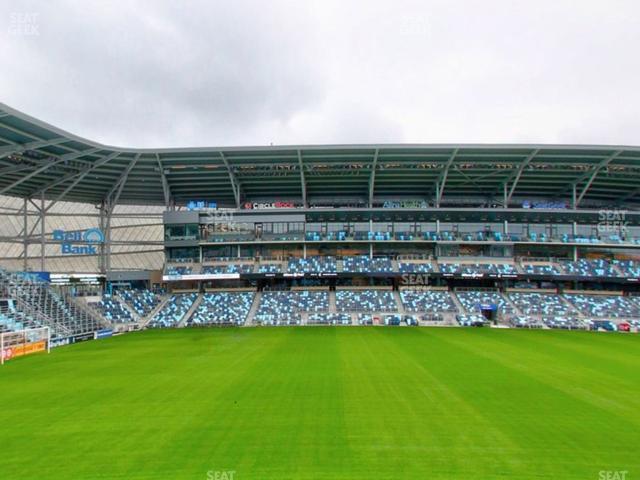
{"x": 39, "y": 160}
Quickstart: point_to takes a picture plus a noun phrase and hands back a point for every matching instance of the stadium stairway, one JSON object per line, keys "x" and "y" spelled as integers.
{"x": 519, "y": 268}
{"x": 133, "y": 313}
{"x": 508, "y": 301}
{"x": 253, "y": 309}
{"x": 457, "y": 303}
{"x": 86, "y": 309}
{"x": 574, "y": 311}
{"x": 332, "y": 302}
{"x": 144, "y": 321}
{"x": 396, "y": 295}
{"x": 504, "y": 319}
{"x": 191, "y": 311}
{"x": 395, "y": 266}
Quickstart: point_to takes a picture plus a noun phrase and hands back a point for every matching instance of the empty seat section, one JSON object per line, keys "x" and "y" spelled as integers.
{"x": 365, "y": 301}
{"x": 222, "y": 308}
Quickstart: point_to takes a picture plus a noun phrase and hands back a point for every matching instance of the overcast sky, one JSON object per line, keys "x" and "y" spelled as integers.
{"x": 209, "y": 73}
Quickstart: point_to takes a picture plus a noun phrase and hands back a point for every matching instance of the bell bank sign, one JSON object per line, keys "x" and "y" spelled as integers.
{"x": 79, "y": 242}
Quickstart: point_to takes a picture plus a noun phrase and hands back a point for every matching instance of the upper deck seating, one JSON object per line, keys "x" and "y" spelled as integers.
{"x": 589, "y": 268}
{"x": 179, "y": 269}
{"x": 628, "y": 268}
{"x": 231, "y": 268}
{"x": 315, "y": 264}
{"x": 365, "y": 264}
{"x": 269, "y": 268}
{"x": 477, "y": 268}
{"x": 540, "y": 269}
{"x": 415, "y": 267}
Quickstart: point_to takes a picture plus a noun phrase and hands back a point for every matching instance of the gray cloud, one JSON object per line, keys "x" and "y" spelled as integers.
{"x": 161, "y": 73}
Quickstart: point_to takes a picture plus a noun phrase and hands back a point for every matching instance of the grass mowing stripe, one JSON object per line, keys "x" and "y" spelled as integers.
{"x": 567, "y": 427}
{"x": 596, "y": 382}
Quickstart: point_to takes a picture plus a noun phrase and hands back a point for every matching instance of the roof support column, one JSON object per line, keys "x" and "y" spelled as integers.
{"x": 25, "y": 241}
{"x": 165, "y": 184}
{"x": 594, "y": 174}
{"x": 303, "y": 182}
{"x": 42, "y": 232}
{"x": 504, "y": 196}
{"x": 110, "y": 201}
{"x": 372, "y": 177}
{"x": 102, "y": 263}
{"x": 442, "y": 181}
{"x": 235, "y": 186}
{"x": 521, "y": 168}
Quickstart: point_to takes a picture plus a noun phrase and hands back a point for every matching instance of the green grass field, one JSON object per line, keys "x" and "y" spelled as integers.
{"x": 325, "y": 403}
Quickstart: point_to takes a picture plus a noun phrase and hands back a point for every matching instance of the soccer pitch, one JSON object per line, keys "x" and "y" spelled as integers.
{"x": 326, "y": 403}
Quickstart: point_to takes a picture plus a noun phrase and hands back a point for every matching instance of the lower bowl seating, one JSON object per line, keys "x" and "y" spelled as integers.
{"x": 141, "y": 301}
{"x": 543, "y": 304}
{"x": 430, "y": 301}
{"x": 365, "y": 301}
{"x": 604, "y": 306}
{"x": 525, "y": 321}
{"x": 470, "y": 320}
{"x": 472, "y": 300}
{"x": 173, "y": 312}
{"x": 112, "y": 310}
{"x": 284, "y": 307}
{"x": 329, "y": 319}
{"x": 222, "y": 308}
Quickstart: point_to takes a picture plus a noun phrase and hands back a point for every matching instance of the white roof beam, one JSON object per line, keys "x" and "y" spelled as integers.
{"x": 303, "y": 181}
{"x": 235, "y": 186}
{"x": 372, "y": 176}
{"x": 63, "y": 158}
{"x": 519, "y": 173}
{"x": 594, "y": 174}
{"x": 442, "y": 181}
